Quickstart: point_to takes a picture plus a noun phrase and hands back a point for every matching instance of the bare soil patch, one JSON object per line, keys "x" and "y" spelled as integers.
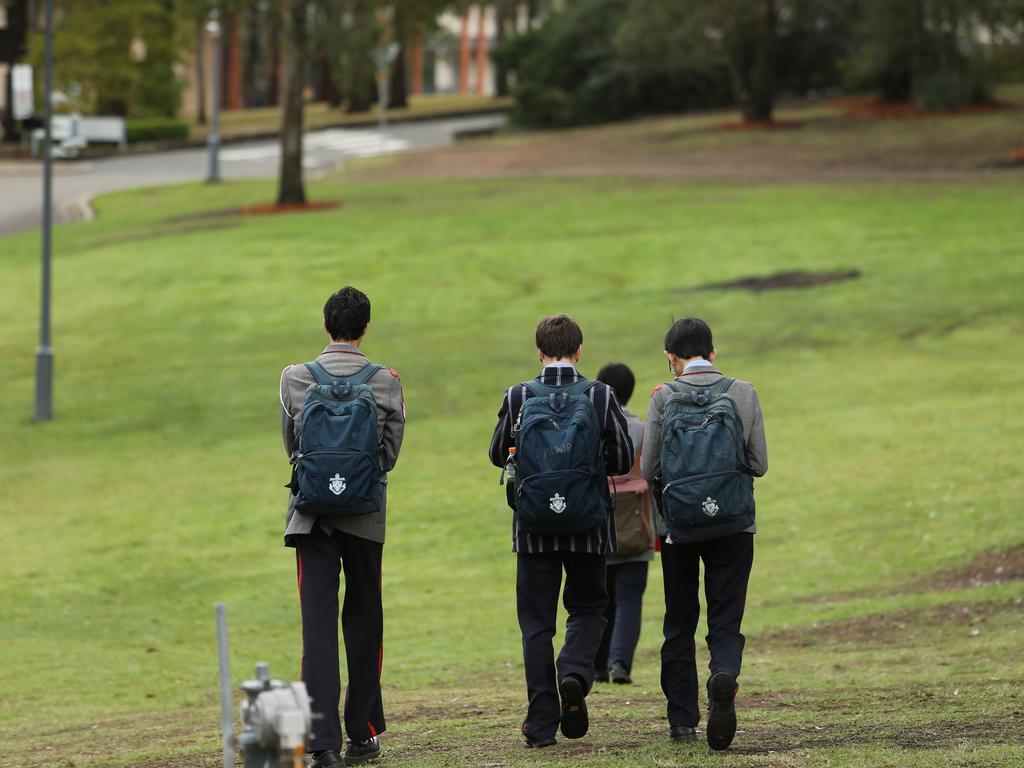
{"x": 780, "y": 280}
{"x": 986, "y": 569}
{"x": 989, "y": 568}
{"x": 884, "y": 629}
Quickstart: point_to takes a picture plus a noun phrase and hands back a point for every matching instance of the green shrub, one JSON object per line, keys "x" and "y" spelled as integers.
{"x": 156, "y": 129}
{"x": 572, "y": 71}
{"x": 949, "y": 90}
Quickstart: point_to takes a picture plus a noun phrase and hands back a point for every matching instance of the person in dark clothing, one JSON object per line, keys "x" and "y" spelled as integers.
{"x": 542, "y": 557}
{"x": 626, "y": 577}
{"x": 727, "y": 559}
{"x": 352, "y": 543}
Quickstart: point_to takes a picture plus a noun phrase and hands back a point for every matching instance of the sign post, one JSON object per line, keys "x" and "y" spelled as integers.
{"x": 213, "y": 137}
{"x": 44, "y": 355}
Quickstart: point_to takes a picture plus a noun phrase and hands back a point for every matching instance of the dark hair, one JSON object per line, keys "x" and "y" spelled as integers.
{"x": 558, "y": 336}
{"x": 689, "y": 337}
{"x": 620, "y": 379}
{"x": 346, "y": 314}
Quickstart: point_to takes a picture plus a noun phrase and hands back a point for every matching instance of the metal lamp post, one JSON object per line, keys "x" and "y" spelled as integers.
{"x": 213, "y": 137}
{"x": 44, "y": 355}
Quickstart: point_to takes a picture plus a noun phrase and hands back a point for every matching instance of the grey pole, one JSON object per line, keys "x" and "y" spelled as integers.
{"x": 213, "y": 137}
{"x": 44, "y": 355}
{"x": 226, "y": 724}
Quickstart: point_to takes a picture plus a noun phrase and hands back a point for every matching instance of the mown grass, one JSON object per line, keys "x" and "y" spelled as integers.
{"x": 893, "y": 409}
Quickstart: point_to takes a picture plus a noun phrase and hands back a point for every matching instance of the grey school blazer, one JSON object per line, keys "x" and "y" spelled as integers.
{"x": 343, "y": 360}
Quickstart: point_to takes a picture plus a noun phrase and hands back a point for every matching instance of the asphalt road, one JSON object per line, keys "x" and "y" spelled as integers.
{"x": 75, "y": 182}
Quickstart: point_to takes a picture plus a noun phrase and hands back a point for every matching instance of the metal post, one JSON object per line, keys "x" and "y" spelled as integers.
{"x": 213, "y": 137}
{"x": 44, "y": 355}
{"x": 226, "y": 723}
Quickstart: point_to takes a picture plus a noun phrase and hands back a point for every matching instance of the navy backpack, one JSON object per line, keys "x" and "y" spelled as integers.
{"x": 337, "y": 468}
{"x": 706, "y": 489}
{"x": 560, "y": 479}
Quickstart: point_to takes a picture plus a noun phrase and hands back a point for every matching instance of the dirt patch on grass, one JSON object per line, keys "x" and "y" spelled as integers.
{"x": 885, "y": 629}
{"x": 780, "y": 280}
{"x": 986, "y": 569}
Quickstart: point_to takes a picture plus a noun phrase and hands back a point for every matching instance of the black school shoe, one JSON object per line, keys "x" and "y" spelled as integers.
{"x": 328, "y": 758}
{"x": 575, "y": 721}
{"x": 620, "y": 674}
{"x": 682, "y": 733}
{"x": 539, "y": 743}
{"x": 536, "y": 743}
{"x": 358, "y": 752}
{"x": 721, "y": 710}
{"x": 601, "y": 676}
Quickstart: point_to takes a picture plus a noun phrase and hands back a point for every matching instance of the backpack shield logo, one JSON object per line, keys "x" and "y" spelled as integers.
{"x": 557, "y": 504}
{"x": 710, "y": 507}
{"x": 337, "y": 484}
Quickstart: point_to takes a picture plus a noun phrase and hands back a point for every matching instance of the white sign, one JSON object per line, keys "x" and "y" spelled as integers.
{"x": 23, "y": 105}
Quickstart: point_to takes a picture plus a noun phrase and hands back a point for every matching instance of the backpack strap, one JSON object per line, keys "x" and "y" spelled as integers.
{"x": 724, "y": 380}
{"x": 363, "y": 375}
{"x": 359, "y": 377}
{"x": 537, "y": 389}
{"x": 319, "y": 373}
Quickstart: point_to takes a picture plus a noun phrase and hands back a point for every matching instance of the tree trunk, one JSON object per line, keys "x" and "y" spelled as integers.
{"x": 398, "y": 90}
{"x": 501, "y": 16}
{"x": 358, "y": 69}
{"x": 291, "y": 188}
{"x": 200, "y": 72}
{"x": 762, "y": 79}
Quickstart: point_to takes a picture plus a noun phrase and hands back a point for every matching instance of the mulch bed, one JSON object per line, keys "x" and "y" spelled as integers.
{"x": 275, "y": 209}
{"x": 759, "y": 125}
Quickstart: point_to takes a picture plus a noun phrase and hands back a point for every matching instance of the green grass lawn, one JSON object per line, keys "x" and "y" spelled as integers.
{"x": 893, "y": 408}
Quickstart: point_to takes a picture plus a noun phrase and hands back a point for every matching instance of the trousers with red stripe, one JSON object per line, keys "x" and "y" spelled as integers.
{"x": 320, "y": 559}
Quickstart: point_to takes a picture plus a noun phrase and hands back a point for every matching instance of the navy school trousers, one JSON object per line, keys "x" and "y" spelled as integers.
{"x": 727, "y": 563}
{"x": 538, "y": 582}
{"x": 320, "y": 558}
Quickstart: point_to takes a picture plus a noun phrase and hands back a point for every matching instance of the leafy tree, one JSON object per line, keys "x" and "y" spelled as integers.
{"x": 121, "y": 54}
{"x": 739, "y": 34}
{"x": 931, "y": 51}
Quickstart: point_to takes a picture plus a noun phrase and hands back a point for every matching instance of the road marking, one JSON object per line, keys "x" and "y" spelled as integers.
{"x": 345, "y": 142}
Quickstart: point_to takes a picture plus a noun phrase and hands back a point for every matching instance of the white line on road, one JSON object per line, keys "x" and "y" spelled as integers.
{"x": 357, "y": 143}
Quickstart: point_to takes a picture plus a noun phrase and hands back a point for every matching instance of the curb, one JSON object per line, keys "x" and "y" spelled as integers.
{"x": 143, "y": 148}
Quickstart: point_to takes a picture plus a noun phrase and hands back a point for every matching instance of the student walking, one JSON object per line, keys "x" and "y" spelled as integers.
{"x": 626, "y": 577}
{"x": 342, "y": 419}
{"x": 567, "y": 433}
{"x": 704, "y": 443}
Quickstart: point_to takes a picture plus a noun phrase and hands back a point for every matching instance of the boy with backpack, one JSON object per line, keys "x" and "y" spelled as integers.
{"x": 704, "y": 443}
{"x": 626, "y": 577}
{"x": 559, "y": 435}
{"x": 342, "y": 419}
